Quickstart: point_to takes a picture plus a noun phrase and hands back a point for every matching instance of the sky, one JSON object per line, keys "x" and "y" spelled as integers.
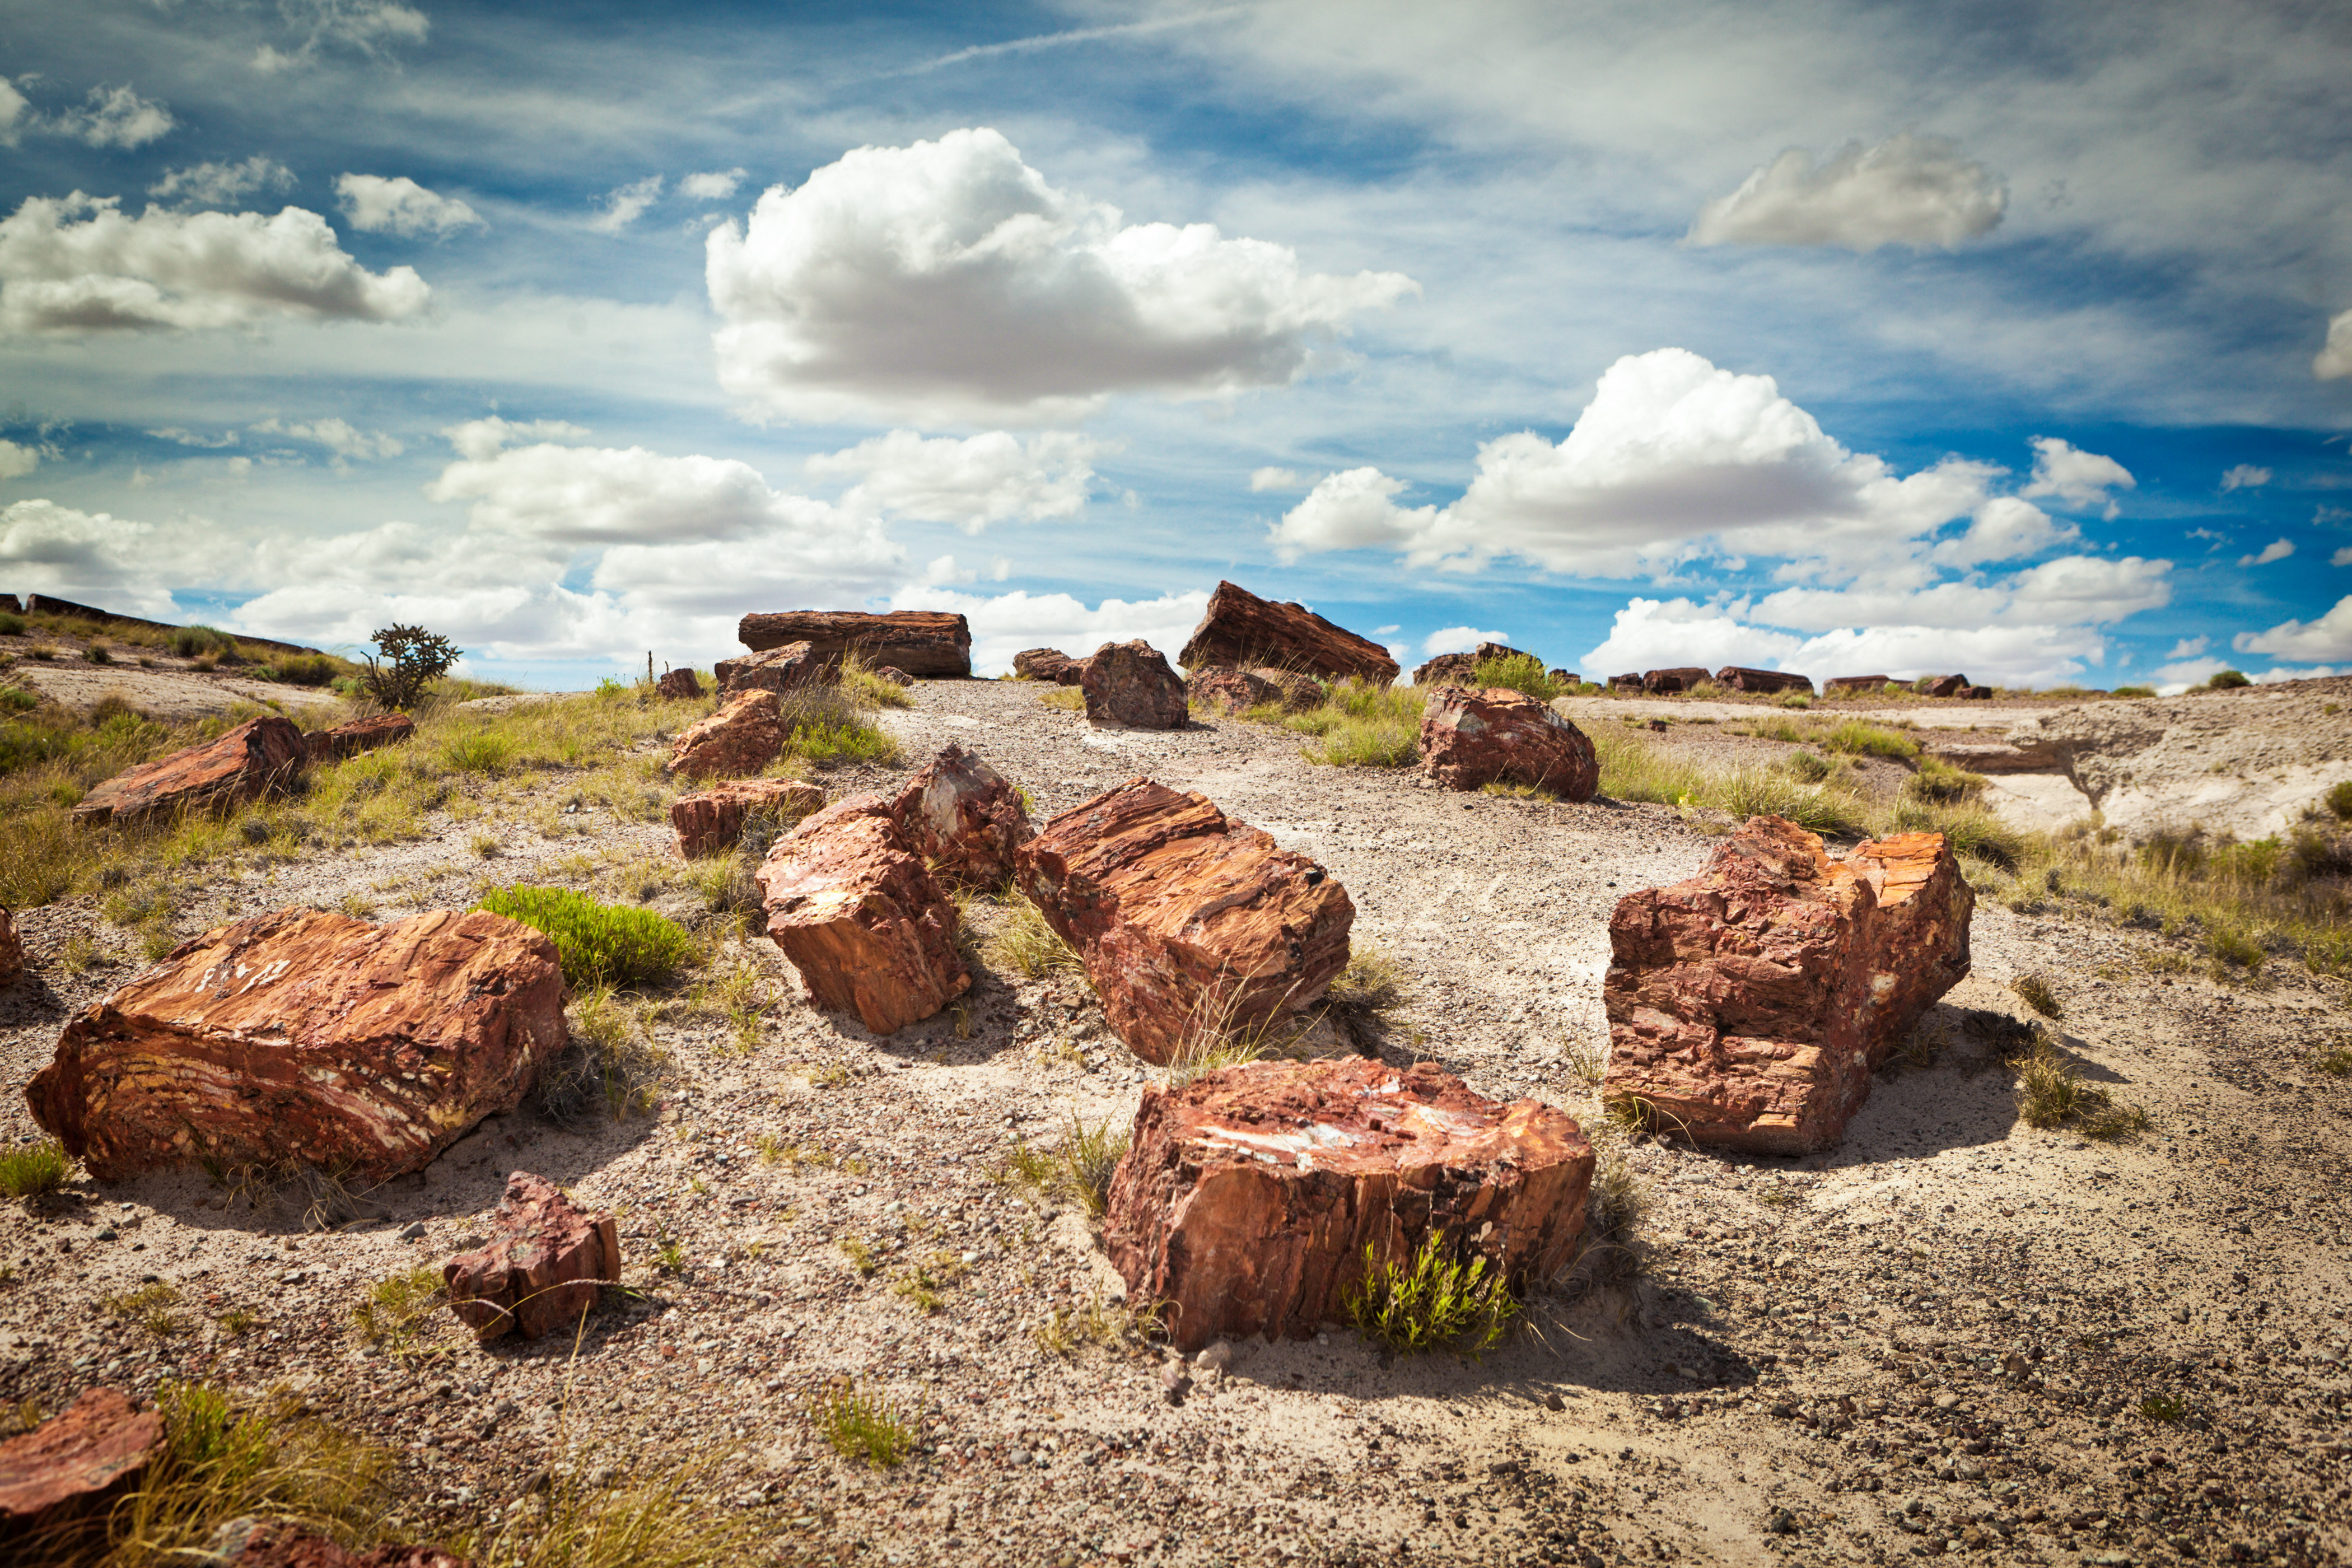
{"x": 2010, "y": 341}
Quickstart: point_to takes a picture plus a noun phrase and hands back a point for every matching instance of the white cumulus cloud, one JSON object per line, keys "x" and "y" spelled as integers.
{"x": 116, "y": 117}
{"x": 218, "y": 184}
{"x": 625, "y": 204}
{"x": 399, "y": 205}
{"x": 337, "y": 436}
{"x": 80, "y": 265}
{"x": 1262, "y": 480}
{"x": 15, "y": 113}
{"x": 1008, "y": 623}
{"x": 481, "y": 438}
{"x": 948, "y": 280}
{"x": 2328, "y": 638}
{"x": 1459, "y": 640}
{"x": 1650, "y": 634}
{"x": 995, "y": 478}
{"x": 2075, "y": 477}
{"x": 1908, "y": 190}
{"x": 2334, "y": 357}
{"x": 16, "y": 461}
{"x": 2244, "y": 476}
{"x": 714, "y": 186}
{"x": 45, "y": 548}
{"x": 2276, "y": 549}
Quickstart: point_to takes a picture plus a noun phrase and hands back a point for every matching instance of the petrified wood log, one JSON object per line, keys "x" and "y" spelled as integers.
{"x": 256, "y": 756}
{"x": 679, "y": 686}
{"x": 963, "y": 819}
{"x": 1242, "y": 631}
{"x": 1190, "y": 924}
{"x": 56, "y": 1476}
{"x": 1738, "y": 678}
{"x": 1471, "y": 739}
{"x": 1047, "y": 664}
{"x": 1683, "y": 677}
{"x": 349, "y": 739}
{"x": 794, "y": 666}
{"x": 869, "y": 928}
{"x": 1940, "y": 685}
{"x": 541, "y": 1266}
{"x": 928, "y": 643}
{"x": 1129, "y": 683}
{"x": 741, "y": 738}
{"x": 1246, "y": 1197}
{"x": 711, "y": 822}
{"x": 1748, "y": 1005}
{"x": 300, "y": 1036}
{"x": 1855, "y": 685}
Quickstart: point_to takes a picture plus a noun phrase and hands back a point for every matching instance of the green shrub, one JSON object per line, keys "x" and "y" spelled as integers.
{"x": 1940, "y": 783}
{"x": 600, "y": 944}
{"x": 11, "y": 626}
{"x": 1795, "y": 700}
{"x": 2133, "y": 692}
{"x": 413, "y": 658}
{"x": 2338, "y": 800}
{"x": 32, "y": 1168}
{"x": 199, "y": 642}
{"x": 1808, "y": 767}
{"x": 1969, "y": 829}
{"x": 303, "y": 670}
{"x": 486, "y": 752}
{"x": 867, "y": 688}
{"x": 1521, "y": 672}
{"x": 2227, "y": 680}
{"x": 1362, "y": 726}
{"x": 17, "y": 700}
{"x": 1432, "y": 1298}
{"x": 98, "y": 653}
{"x": 1857, "y": 739}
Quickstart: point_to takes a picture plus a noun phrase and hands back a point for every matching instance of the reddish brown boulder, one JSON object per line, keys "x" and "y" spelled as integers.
{"x": 1978, "y": 694}
{"x": 303, "y": 1036}
{"x": 1734, "y": 677}
{"x": 1247, "y": 1198}
{"x": 679, "y": 686}
{"x": 1940, "y": 685}
{"x": 323, "y": 746}
{"x": 56, "y": 1476}
{"x": 250, "y": 1542}
{"x": 1461, "y": 669}
{"x": 711, "y": 822}
{"x": 1048, "y": 664}
{"x": 1564, "y": 678}
{"x": 1129, "y": 683}
{"x": 1855, "y": 685}
{"x": 1629, "y": 681}
{"x": 1228, "y": 692}
{"x": 1748, "y": 1005}
{"x": 795, "y": 667}
{"x": 541, "y": 1266}
{"x": 1471, "y": 739}
{"x": 1682, "y": 679}
{"x": 258, "y": 755}
{"x": 12, "y": 951}
{"x": 963, "y": 819}
{"x": 1190, "y": 924}
{"x": 1242, "y": 631}
{"x": 932, "y": 644}
{"x": 741, "y": 739}
{"x": 871, "y": 931}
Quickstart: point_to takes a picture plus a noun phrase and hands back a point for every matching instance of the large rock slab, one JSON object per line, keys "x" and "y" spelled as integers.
{"x": 1471, "y": 739}
{"x": 795, "y": 667}
{"x": 871, "y": 931}
{"x": 932, "y": 644}
{"x": 1129, "y": 683}
{"x": 1246, "y": 1197}
{"x": 1244, "y": 631}
{"x": 1748, "y": 1004}
{"x": 1736, "y": 677}
{"x": 710, "y": 822}
{"x": 59, "y": 1475}
{"x": 965, "y": 821}
{"x": 1461, "y": 669}
{"x": 1048, "y": 664}
{"x": 323, "y": 746}
{"x": 542, "y": 1267}
{"x": 300, "y": 1036}
{"x": 743, "y": 737}
{"x": 1190, "y": 923}
{"x": 258, "y": 755}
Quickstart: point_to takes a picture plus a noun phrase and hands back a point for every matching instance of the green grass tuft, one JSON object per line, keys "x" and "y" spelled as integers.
{"x": 1521, "y": 672}
{"x": 600, "y": 944}
{"x": 863, "y": 1423}
{"x": 32, "y": 1169}
{"x": 1857, "y": 739}
{"x": 1434, "y": 1298}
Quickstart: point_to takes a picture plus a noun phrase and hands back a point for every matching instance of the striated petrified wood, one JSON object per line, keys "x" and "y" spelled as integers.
{"x": 710, "y": 822}
{"x": 1129, "y": 683}
{"x": 795, "y": 667}
{"x": 1471, "y": 739}
{"x": 323, "y": 746}
{"x": 933, "y": 644}
{"x": 250, "y": 1542}
{"x": 1242, "y": 631}
{"x": 1748, "y": 1005}
{"x": 1736, "y": 677}
{"x": 1683, "y": 677}
{"x": 303, "y": 1036}
{"x": 1855, "y": 685}
{"x": 1047, "y": 664}
{"x": 541, "y": 1266}
{"x": 256, "y": 756}
{"x": 965, "y": 821}
{"x": 1190, "y": 924}
{"x": 871, "y": 931}
{"x": 741, "y": 738}
{"x": 1246, "y": 1197}
{"x": 54, "y": 1478}
{"x": 1461, "y": 669}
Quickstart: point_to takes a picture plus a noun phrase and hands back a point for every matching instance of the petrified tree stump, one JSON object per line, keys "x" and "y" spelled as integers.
{"x": 965, "y": 821}
{"x": 741, "y": 738}
{"x": 710, "y": 821}
{"x": 56, "y": 1476}
{"x": 1129, "y": 683}
{"x": 1855, "y": 685}
{"x": 300, "y": 1036}
{"x": 1748, "y": 1005}
{"x": 1244, "y": 631}
{"x": 1471, "y": 739}
{"x": 679, "y": 686}
{"x": 256, "y": 756}
{"x": 541, "y": 1266}
{"x": 1190, "y": 924}
{"x": 933, "y": 644}
{"x": 1246, "y": 1197}
{"x": 321, "y": 746}
{"x": 1738, "y": 678}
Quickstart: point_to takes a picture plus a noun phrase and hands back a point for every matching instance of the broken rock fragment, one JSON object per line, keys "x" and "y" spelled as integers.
{"x": 300, "y": 1036}
{"x": 1129, "y": 683}
{"x": 1471, "y": 739}
{"x": 795, "y": 667}
{"x": 1242, "y": 631}
{"x": 1230, "y": 691}
{"x": 1748, "y": 1004}
{"x": 323, "y": 746}
{"x": 963, "y": 819}
{"x": 54, "y": 1478}
{"x": 741, "y": 738}
{"x": 541, "y": 1266}
{"x": 258, "y": 755}
{"x": 679, "y": 686}
{"x": 1247, "y": 1198}
{"x": 1049, "y": 664}
{"x": 710, "y": 822}
{"x": 250, "y": 1542}
{"x": 1738, "y": 678}
{"x": 1192, "y": 925}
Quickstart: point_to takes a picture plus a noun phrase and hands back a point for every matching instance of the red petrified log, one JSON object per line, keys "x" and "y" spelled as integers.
{"x": 741, "y": 738}
{"x": 1246, "y": 1197}
{"x": 300, "y": 1036}
{"x": 1233, "y": 691}
{"x": 1129, "y": 683}
{"x": 1471, "y": 739}
{"x": 711, "y": 822}
{"x": 256, "y": 756}
{"x": 54, "y": 1477}
{"x": 1242, "y": 631}
{"x": 1683, "y": 677}
{"x": 679, "y": 686}
{"x": 1047, "y": 664}
{"x": 795, "y": 667}
{"x": 1940, "y": 685}
{"x": 1854, "y": 685}
{"x": 1748, "y": 1005}
{"x": 321, "y": 746}
{"x": 1735, "y": 677}
{"x": 1190, "y": 924}
{"x": 250, "y": 1542}
{"x": 869, "y": 928}
{"x": 933, "y": 644}
{"x": 541, "y": 1268}
{"x": 963, "y": 819}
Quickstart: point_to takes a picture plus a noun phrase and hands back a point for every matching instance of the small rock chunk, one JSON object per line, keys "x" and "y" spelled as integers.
{"x": 1471, "y": 739}
{"x": 741, "y": 739}
{"x": 965, "y": 821}
{"x": 1048, "y": 664}
{"x": 12, "y": 951}
{"x": 795, "y": 667}
{"x": 679, "y": 686}
{"x": 323, "y": 746}
{"x": 540, "y": 1269}
{"x": 710, "y": 822}
{"x": 1131, "y": 683}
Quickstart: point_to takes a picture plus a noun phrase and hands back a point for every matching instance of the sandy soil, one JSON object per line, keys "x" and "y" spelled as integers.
{"x": 171, "y": 690}
{"x": 1940, "y": 1333}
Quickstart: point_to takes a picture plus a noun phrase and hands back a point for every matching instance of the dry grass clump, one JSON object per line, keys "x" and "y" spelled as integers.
{"x": 612, "y": 1063}
{"x": 1022, "y": 943}
{"x": 2051, "y": 1093}
{"x": 1938, "y": 783}
{"x": 2038, "y": 993}
{"x": 1116, "y": 1326}
{"x": 1078, "y": 1167}
{"x": 1521, "y": 672}
{"x": 662, "y": 1518}
{"x": 1369, "y": 994}
{"x": 1068, "y": 699}
{"x": 862, "y": 1422}
{"x": 1856, "y": 737}
{"x": 398, "y": 1308}
{"x": 1633, "y": 769}
{"x": 867, "y": 688}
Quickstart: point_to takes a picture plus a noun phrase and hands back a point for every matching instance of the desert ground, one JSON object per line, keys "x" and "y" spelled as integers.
{"x": 1953, "y": 1334}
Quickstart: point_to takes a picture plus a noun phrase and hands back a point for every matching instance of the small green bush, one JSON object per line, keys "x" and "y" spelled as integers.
{"x": 1432, "y": 1298}
{"x": 34, "y": 1168}
{"x": 1939, "y": 781}
{"x": 1808, "y": 767}
{"x": 2227, "y": 680}
{"x": 863, "y": 1423}
{"x": 11, "y": 626}
{"x": 1361, "y": 726}
{"x": 98, "y": 653}
{"x": 1521, "y": 672}
{"x": 1857, "y": 739}
{"x": 198, "y": 642}
{"x": 2338, "y": 800}
{"x": 484, "y": 753}
{"x": 303, "y": 670}
{"x": 413, "y": 658}
{"x": 2133, "y": 692}
{"x": 600, "y": 944}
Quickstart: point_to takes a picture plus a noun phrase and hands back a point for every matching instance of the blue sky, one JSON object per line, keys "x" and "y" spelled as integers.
{"x": 2016, "y": 341}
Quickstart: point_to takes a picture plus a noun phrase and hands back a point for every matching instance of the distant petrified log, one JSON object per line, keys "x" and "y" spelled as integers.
{"x": 61, "y": 1474}
{"x": 711, "y": 822}
{"x": 1471, "y": 739}
{"x": 1855, "y": 685}
{"x": 1564, "y": 678}
{"x": 795, "y": 667}
{"x": 541, "y": 1266}
{"x": 258, "y": 755}
{"x": 1190, "y": 924}
{"x": 1461, "y": 669}
{"x": 1242, "y": 631}
{"x": 963, "y": 819}
{"x": 1247, "y": 1198}
{"x": 1129, "y": 683}
{"x": 1629, "y": 681}
{"x": 303, "y": 1036}
{"x": 932, "y": 644}
{"x": 741, "y": 738}
{"x": 679, "y": 686}
{"x": 1940, "y": 685}
{"x": 1748, "y": 1004}
{"x": 1047, "y": 664}
{"x": 323, "y": 746}
{"x": 871, "y": 931}
{"x": 1734, "y": 677}
{"x": 1681, "y": 678}
{"x": 1978, "y": 693}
